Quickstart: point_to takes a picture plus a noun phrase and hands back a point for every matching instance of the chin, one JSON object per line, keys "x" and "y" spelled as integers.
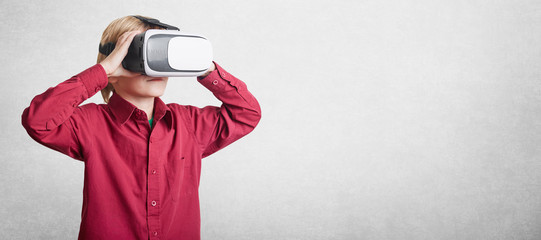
{"x": 156, "y": 93}
{"x": 156, "y": 90}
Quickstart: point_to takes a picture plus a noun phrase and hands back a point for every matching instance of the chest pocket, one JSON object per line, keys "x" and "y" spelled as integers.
{"x": 180, "y": 177}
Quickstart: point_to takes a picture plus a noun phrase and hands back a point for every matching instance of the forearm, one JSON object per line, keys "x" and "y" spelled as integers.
{"x": 217, "y": 127}
{"x": 54, "y": 106}
{"x": 234, "y": 95}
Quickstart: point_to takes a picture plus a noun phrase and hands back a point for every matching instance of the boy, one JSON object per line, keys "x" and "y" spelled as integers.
{"x": 142, "y": 157}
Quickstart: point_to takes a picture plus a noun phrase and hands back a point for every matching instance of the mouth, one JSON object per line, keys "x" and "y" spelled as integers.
{"x": 155, "y": 80}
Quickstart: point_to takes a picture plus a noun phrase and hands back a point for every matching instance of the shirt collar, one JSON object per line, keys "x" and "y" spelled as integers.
{"x": 122, "y": 110}
{"x": 162, "y": 111}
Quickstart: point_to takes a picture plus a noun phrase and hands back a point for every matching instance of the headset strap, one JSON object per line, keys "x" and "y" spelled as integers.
{"x": 156, "y": 22}
{"x": 107, "y": 48}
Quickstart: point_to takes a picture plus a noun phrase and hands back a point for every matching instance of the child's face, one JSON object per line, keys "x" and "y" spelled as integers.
{"x": 140, "y": 86}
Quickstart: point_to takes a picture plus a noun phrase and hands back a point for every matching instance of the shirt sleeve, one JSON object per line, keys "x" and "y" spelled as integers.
{"x": 217, "y": 127}
{"x": 54, "y": 117}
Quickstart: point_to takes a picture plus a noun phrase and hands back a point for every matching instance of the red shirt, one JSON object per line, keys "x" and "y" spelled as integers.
{"x": 139, "y": 183}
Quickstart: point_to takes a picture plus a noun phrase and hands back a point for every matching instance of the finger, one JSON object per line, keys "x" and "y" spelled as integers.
{"x": 123, "y": 38}
{"x": 122, "y": 45}
{"x": 129, "y": 35}
{"x": 127, "y": 39}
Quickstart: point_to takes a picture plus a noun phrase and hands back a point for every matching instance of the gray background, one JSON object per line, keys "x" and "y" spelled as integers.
{"x": 381, "y": 119}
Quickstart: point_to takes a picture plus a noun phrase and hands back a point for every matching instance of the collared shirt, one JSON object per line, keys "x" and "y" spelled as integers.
{"x": 140, "y": 182}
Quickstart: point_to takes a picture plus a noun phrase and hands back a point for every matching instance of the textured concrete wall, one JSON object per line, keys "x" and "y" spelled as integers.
{"x": 381, "y": 119}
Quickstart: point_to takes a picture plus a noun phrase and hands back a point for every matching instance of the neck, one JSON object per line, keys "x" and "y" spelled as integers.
{"x": 144, "y": 103}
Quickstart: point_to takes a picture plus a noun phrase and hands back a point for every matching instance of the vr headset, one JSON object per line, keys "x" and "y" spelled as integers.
{"x": 165, "y": 53}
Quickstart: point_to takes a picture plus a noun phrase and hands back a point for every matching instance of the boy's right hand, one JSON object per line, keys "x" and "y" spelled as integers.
{"x": 113, "y": 63}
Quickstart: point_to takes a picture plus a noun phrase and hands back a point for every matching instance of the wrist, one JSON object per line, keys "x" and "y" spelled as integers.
{"x": 105, "y": 67}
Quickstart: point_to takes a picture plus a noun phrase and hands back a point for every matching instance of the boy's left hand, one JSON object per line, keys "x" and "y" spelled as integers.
{"x": 212, "y": 68}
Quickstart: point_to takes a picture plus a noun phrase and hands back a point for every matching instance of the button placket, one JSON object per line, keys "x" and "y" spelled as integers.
{"x": 153, "y": 194}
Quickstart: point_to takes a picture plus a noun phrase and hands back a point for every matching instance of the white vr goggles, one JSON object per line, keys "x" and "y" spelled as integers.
{"x": 165, "y": 53}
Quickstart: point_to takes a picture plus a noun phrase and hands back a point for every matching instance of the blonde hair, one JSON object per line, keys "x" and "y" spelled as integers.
{"x": 111, "y": 34}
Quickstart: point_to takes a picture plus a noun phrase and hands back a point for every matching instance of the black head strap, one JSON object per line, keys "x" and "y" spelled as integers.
{"x": 107, "y": 48}
{"x": 156, "y": 22}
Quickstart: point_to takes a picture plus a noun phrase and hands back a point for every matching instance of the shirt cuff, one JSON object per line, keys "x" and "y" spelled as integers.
{"x": 218, "y": 80}
{"x": 94, "y": 79}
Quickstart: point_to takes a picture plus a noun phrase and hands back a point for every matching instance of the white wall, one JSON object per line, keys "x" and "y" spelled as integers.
{"x": 381, "y": 119}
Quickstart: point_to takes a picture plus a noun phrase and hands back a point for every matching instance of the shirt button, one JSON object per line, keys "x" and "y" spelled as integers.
{"x": 97, "y": 89}
{"x": 155, "y": 233}
{"x": 153, "y": 171}
{"x": 153, "y": 203}
{"x": 215, "y": 82}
